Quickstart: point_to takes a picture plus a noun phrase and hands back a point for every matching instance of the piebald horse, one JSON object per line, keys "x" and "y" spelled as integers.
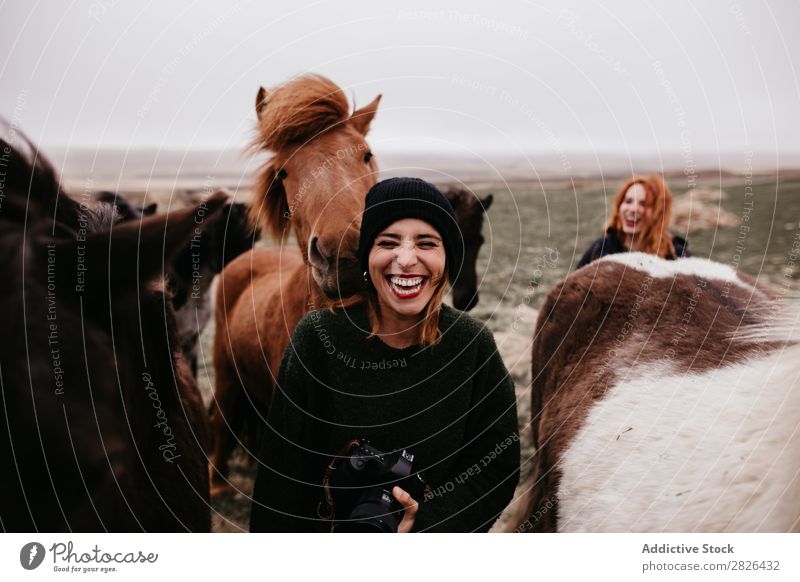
{"x": 665, "y": 397}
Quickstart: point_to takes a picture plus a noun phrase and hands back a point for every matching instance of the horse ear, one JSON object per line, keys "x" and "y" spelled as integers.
{"x": 453, "y": 198}
{"x": 362, "y": 118}
{"x": 269, "y": 207}
{"x": 109, "y": 259}
{"x": 261, "y": 101}
{"x": 487, "y": 202}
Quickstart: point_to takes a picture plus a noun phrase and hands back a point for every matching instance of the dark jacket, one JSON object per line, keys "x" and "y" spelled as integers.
{"x": 610, "y": 244}
{"x": 452, "y": 405}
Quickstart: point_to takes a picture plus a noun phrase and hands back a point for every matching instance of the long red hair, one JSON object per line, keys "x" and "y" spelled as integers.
{"x": 654, "y": 238}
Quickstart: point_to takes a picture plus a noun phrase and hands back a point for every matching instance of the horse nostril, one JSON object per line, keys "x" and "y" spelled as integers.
{"x": 314, "y": 254}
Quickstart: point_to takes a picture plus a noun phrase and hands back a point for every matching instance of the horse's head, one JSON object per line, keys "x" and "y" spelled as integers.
{"x": 125, "y": 209}
{"x": 318, "y": 177}
{"x": 469, "y": 210}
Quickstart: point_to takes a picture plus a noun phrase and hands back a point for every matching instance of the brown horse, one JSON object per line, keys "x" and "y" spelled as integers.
{"x": 102, "y": 426}
{"x": 314, "y": 187}
{"x": 469, "y": 211}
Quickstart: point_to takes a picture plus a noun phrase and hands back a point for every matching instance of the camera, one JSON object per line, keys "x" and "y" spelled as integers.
{"x": 361, "y": 488}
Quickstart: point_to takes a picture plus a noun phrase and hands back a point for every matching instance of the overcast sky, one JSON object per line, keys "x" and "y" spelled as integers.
{"x": 484, "y": 76}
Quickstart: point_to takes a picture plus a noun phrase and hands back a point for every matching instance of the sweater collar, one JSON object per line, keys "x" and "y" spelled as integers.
{"x": 357, "y": 318}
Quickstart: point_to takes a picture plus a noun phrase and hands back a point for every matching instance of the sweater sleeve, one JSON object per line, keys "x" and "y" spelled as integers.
{"x": 288, "y": 485}
{"x": 487, "y": 467}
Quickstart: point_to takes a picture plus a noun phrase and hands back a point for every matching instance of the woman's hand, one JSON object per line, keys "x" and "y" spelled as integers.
{"x": 409, "y": 505}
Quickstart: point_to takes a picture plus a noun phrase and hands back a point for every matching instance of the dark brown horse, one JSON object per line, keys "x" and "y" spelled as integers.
{"x": 102, "y": 427}
{"x": 313, "y": 187}
{"x": 469, "y": 211}
{"x": 191, "y": 273}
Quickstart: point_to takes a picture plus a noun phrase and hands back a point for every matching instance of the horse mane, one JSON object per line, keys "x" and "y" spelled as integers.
{"x": 27, "y": 171}
{"x": 777, "y": 323}
{"x": 298, "y": 110}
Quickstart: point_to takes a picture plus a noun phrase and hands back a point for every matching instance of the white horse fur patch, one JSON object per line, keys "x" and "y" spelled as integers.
{"x": 659, "y": 268}
{"x": 718, "y": 451}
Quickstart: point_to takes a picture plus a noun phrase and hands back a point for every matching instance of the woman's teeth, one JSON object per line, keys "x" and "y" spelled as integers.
{"x": 406, "y": 285}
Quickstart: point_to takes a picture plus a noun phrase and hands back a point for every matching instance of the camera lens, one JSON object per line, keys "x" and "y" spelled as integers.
{"x": 375, "y": 515}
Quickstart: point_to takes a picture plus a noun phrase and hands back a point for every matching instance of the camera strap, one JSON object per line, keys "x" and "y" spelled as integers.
{"x": 329, "y": 511}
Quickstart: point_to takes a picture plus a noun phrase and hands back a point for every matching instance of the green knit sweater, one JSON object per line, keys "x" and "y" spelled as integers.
{"x": 452, "y": 405}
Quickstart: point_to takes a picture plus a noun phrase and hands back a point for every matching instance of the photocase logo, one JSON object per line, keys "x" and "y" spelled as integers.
{"x": 31, "y": 555}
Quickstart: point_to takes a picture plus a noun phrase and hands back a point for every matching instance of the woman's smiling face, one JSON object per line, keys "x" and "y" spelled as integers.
{"x": 405, "y": 264}
{"x": 634, "y": 210}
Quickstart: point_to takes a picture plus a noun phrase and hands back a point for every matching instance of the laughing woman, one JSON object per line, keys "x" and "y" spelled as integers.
{"x": 399, "y": 370}
{"x": 639, "y": 222}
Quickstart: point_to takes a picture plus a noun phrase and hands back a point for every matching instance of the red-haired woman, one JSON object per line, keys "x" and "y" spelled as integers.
{"x": 639, "y": 222}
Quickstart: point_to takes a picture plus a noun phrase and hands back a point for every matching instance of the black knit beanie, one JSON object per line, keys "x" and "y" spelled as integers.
{"x": 398, "y": 198}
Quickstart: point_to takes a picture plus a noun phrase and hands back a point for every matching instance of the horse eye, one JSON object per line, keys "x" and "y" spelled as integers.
{"x": 367, "y": 157}
{"x": 282, "y": 174}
